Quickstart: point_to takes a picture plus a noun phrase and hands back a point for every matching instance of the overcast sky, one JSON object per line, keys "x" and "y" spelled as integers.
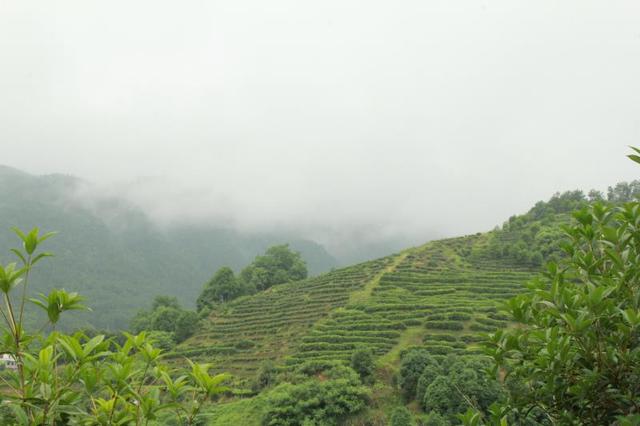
{"x": 382, "y": 118}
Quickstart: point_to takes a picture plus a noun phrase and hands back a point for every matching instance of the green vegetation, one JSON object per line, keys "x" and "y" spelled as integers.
{"x": 362, "y": 363}
{"x": 533, "y": 238}
{"x": 578, "y": 358}
{"x": 420, "y": 314}
{"x": 73, "y": 379}
{"x": 322, "y": 396}
{"x": 223, "y": 287}
{"x": 400, "y": 340}
{"x": 167, "y": 320}
{"x": 278, "y": 265}
{"x": 401, "y": 417}
{"x": 385, "y": 308}
{"x": 109, "y": 251}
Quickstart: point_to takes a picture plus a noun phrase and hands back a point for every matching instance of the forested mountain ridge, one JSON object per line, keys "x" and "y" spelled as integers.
{"x": 110, "y": 252}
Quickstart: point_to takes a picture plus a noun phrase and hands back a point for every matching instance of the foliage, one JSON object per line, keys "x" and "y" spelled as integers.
{"x": 278, "y": 265}
{"x": 576, "y": 359}
{"x": 223, "y": 287}
{"x": 362, "y": 363}
{"x": 428, "y": 376}
{"x": 166, "y": 316}
{"x": 323, "y": 399}
{"x": 74, "y": 379}
{"x": 449, "y": 387}
{"x": 401, "y": 417}
{"x": 579, "y": 355}
{"x": 433, "y": 419}
{"x": 411, "y": 368}
{"x": 186, "y": 325}
{"x": 266, "y": 376}
{"x": 534, "y": 238}
{"x": 162, "y": 339}
{"x": 167, "y": 301}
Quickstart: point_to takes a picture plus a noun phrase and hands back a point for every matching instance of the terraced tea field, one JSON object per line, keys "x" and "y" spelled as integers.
{"x": 440, "y": 296}
{"x": 269, "y": 325}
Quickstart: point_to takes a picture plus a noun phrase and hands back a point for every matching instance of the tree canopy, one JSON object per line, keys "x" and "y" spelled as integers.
{"x": 278, "y": 265}
{"x": 166, "y": 315}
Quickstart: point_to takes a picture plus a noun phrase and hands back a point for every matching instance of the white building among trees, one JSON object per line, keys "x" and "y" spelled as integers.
{"x": 8, "y": 361}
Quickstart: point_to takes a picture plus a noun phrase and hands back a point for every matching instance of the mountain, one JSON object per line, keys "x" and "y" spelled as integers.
{"x": 439, "y": 297}
{"x": 114, "y": 255}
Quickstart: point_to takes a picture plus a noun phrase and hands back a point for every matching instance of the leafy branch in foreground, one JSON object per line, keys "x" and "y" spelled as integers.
{"x": 575, "y": 359}
{"x": 74, "y": 379}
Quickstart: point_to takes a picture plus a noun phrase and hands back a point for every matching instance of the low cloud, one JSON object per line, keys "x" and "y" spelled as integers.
{"x": 342, "y": 123}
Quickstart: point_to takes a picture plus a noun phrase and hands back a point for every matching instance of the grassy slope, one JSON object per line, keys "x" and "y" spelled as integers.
{"x": 440, "y": 296}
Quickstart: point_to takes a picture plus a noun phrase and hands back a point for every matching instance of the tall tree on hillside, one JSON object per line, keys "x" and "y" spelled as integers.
{"x": 224, "y": 286}
{"x": 278, "y": 265}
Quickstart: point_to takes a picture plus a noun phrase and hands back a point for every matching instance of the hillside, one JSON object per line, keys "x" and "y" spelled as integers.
{"x": 444, "y": 287}
{"x": 111, "y": 253}
{"x": 440, "y": 297}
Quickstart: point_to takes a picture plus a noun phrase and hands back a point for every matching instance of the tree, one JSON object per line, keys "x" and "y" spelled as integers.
{"x": 168, "y": 301}
{"x": 401, "y": 417}
{"x": 428, "y": 376}
{"x": 411, "y": 367}
{"x": 165, "y": 319}
{"x": 186, "y": 325}
{"x": 162, "y": 340}
{"x": 576, "y": 356}
{"x": 362, "y": 363}
{"x": 277, "y": 266}
{"x": 433, "y": 419}
{"x": 223, "y": 287}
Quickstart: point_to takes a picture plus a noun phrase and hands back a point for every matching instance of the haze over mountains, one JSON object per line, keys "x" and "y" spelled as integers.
{"x": 112, "y": 253}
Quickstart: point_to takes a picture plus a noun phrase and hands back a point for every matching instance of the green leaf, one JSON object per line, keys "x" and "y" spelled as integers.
{"x": 41, "y": 256}
{"x": 635, "y": 158}
{"x": 20, "y": 255}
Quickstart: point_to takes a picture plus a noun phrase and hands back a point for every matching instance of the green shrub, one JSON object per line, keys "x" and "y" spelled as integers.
{"x": 314, "y": 401}
{"x": 433, "y": 419}
{"x": 362, "y": 363}
{"x": 244, "y": 344}
{"x": 444, "y": 325}
{"x": 162, "y": 340}
{"x": 428, "y": 376}
{"x": 266, "y": 376}
{"x": 440, "y": 338}
{"x": 462, "y": 384}
{"x": 401, "y": 417}
{"x": 412, "y": 365}
{"x": 458, "y": 316}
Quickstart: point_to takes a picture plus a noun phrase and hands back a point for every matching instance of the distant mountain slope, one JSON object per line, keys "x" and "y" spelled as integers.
{"x": 118, "y": 259}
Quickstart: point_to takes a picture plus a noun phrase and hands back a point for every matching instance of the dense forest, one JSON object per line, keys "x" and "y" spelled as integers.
{"x": 534, "y": 323}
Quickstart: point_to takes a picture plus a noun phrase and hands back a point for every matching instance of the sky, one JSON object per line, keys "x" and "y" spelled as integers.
{"x": 401, "y": 120}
